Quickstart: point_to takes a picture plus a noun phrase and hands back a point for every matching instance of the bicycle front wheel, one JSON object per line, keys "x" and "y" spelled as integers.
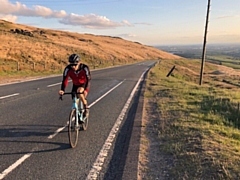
{"x": 85, "y": 124}
{"x": 73, "y": 129}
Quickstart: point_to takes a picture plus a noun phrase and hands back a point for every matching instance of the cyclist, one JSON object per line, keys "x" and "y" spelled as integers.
{"x": 80, "y": 75}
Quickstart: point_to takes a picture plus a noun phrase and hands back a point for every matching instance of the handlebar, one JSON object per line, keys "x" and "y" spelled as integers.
{"x": 72, "y": 93}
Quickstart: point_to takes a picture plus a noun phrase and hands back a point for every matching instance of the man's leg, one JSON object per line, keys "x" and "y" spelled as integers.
{"x": 82, "y": 96}
{"x": 83, "y": 99}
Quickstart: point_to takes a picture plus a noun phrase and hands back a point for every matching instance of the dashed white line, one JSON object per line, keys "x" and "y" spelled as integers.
{"x": 23, "y": 158}
{"x": 13, "y": 166}
{"x": 54, "y": 84}
{"x": 16, "y": 94}
{"x": 51, "y": 85}
{"x": 60, "y": 129}
{"x": 56, "y": 132}
{"x": 106, "y": 93}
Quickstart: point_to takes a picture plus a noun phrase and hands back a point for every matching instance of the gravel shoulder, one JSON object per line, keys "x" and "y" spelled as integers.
{"x": 152, "y": 165}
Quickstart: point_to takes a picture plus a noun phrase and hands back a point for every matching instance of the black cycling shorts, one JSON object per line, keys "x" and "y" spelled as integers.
{"x": 75, "y": 87}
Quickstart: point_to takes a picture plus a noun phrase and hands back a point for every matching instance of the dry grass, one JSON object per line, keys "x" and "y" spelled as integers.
{"x": 49, "y": 49}
{"x": 191, "y": 131}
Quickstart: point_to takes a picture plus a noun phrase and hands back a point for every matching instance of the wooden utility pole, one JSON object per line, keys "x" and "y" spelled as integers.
{"x": 204, "y": 44}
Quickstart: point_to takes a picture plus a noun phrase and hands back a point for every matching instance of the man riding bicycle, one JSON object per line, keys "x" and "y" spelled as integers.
{"x": 80, "y": 75}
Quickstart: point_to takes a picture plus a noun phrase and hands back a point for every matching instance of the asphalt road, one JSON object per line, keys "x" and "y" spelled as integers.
{"x": 33, "y": 134}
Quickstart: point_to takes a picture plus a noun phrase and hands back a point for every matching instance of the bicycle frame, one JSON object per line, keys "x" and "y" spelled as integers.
{"x": 79, "y": 107}
{"x": 75, "y": 106}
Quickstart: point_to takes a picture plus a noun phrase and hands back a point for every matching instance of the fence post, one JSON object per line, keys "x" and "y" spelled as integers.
{"x": 238, "y": 107}
{"x": 238, "y": 116}
{"x": 170, "y": 72}
{"x": 18, "y": 66}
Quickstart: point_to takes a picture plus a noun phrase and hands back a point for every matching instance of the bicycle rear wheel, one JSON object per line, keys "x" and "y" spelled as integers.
{"x": 72, "y": 129}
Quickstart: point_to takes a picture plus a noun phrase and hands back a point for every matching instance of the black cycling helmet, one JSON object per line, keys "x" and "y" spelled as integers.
{"x": 74, "y": 59}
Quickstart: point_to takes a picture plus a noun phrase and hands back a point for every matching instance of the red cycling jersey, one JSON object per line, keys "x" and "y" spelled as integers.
{"x": 79, "y": 77}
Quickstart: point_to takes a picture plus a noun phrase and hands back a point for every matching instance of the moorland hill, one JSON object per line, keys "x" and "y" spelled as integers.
{"x": 27, "y": 45}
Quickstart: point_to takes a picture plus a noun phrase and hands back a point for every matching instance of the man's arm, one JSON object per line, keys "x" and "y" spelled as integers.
{"x": 88, "y": 73}
{"x": 65, "y": 79}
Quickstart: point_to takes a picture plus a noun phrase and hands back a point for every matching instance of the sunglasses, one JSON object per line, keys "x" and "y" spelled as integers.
{"x": 72, "y": 65}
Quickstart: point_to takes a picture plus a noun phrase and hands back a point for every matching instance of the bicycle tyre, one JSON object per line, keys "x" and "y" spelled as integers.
{"x": 72, "y": 129}
{"x": 85, "y": 124}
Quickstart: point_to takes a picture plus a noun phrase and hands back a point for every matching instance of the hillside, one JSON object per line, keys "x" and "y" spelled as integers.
{"x": 28, "y": 45}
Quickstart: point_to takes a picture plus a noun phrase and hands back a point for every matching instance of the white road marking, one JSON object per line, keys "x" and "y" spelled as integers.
{"x": 56, "y": 132}
{"x": 106, "y": 93}
{"x": 13, "y": 166}
{"x": 60, "y": 129}
{"x": 54, "y": 84}
{"x": 16, "y": 94}
{"x": 34, "y": 79}
{"x": 51, "y": 85}
{"x": 23, "y": 158}
{"x": 97, "y": 165}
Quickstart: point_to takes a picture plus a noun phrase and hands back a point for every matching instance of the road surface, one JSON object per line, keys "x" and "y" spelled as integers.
{"x": 33, "y": 134}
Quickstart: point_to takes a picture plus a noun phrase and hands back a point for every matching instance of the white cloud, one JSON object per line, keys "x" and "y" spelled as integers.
{"x": 225, "y": 17}
{"x": 10, "y": 18}
{"x": 19, "y": 9}
{"x": 125, "y": 22}
{"x": 128, "y": 35}
{"x": 46, "y": 12}
{"x": 143, "y": 23}
{"x": 6, "y": 7}
{"x": 91, "y": 21}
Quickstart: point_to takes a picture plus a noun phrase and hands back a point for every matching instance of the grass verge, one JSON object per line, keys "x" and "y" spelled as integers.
{"x": 194, "y": 129}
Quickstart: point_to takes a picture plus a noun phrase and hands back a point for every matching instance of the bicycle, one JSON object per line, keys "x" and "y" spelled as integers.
{"x": 77, "y": 121}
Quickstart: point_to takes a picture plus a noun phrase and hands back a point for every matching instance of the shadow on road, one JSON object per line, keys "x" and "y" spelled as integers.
{"x": 26, "y": 135}
{"x": 117, "y": 165}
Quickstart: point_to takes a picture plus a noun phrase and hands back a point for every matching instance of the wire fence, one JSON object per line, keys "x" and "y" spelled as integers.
{"x": 39, "y": 66}
{"x": 33, "y": 66}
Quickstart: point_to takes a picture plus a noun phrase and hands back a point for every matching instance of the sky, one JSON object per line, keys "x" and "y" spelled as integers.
{"x": 149, "y": 22}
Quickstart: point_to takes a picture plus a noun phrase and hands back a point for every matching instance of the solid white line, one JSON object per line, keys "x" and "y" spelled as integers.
{"x": 13, "y": 166}
{"x": 60, "y": 129}
{"x": 9, "y": 95}
{"x": 22, "y": 81}
{"x": 18, "y": 162}
{"x": 97, "y": 165}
